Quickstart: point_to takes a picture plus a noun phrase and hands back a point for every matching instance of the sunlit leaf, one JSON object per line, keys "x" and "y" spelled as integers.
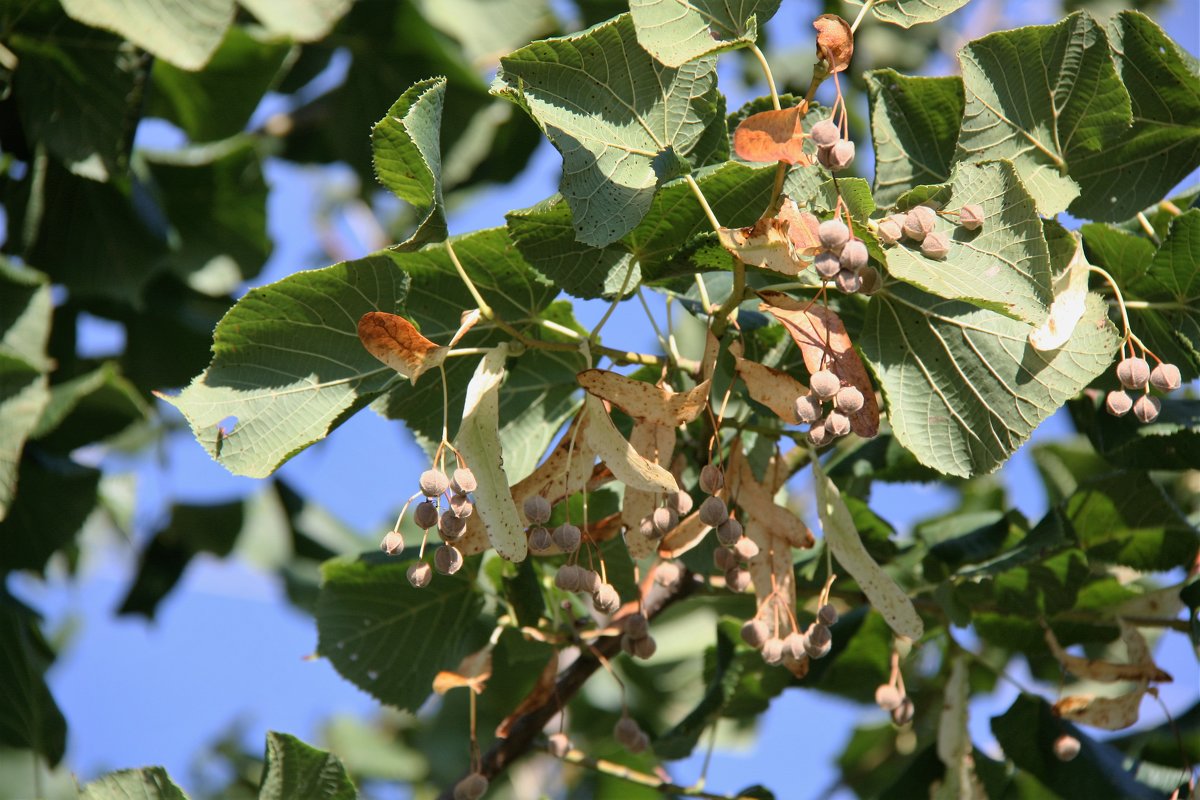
{"x": 406, "y": 145}
{"x": 678, "y": 31}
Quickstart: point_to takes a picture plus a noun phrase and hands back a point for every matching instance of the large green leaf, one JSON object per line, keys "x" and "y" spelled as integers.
{"x": 611, "y": 110}
{"x": 25, "y": 310}
{"x": 55, "y": 498}
{"x": 148, "y": 783}
{"x": 183, "y": 32}
{"x": 1163, "y": 146}
{"x": 914, "y": 127}
{"x": 302, "y": 20}
{"x": 680, "y": 740}
{"x": 29, "y": 717}
{"x": 907, "y": 13}
{"x": 408, "y": 156}
{"x": 964, "y": 387}
{"x": 1126, "y": 518}
{"x": 296, "y": 770}
{"x": 1005, "y": 266}
{"x": 1044, "y": 97}
{"x": 677, "y": 31}
{"x": 487, "y": 29}
{"x": 88, "y": 409}
{"x": 390, "y": 639}
{"x": 217, "y": 101}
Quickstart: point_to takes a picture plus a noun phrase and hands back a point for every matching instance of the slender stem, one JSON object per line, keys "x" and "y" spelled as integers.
{"x": 705, "y": 300}
{"x": 1117, "y": 291}
{"x": 445, "y": 406}
{"x": 641, "y": 778}
{"x": 781, "y": 171}
{"x": 595, "y": 334}
{"x": 484, "y": 308}
{"x": 1148, "y": 228}
{"x": 657, "y": 331}
{"x": 721, "y": 318}
{"x": 708, "y": 212}
{"x": 766, "y": 68}
{"x": 551, "y": 325}
{"x": 861, "y": 15}
{"x": 1148, "y": 305}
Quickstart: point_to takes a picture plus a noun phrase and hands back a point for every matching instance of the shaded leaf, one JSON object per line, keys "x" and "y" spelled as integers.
{"x": 29, "y": 717}
{"x": 25, "y": 312}
{"x": 56, "y": 497}
{"x": 294, "y": 770}
{"x": 1068, "y": 307}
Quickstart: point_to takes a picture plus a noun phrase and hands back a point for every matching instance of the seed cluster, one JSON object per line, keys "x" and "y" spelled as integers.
{"x": 630, "y": 735}
{"x": 846, "y": 401}
{"x": 918, "y": 227}
{"x": 792, "y": 647}
{"x": 663, "y": 520}
{"x": 637, "y": 640}
{"x": 450, "y": 520}
{"x": 843, "y": 259}
{"x": 735, "y": 549}
{"x": 891, "y": 697}
{"x": 833, "y": 152}
{"x": 472, "y": 787}
{"x": 1135, "y": 374}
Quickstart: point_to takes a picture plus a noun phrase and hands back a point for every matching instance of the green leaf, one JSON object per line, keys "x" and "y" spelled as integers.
{"x": 1005, "y": 266}
{"x": 1171, "y": 442}
{"x": 963, "y": 386}
{"x": 907, "y": 13}
{"x": 408, "y": 157}
{"x": 56, "y": 497}
{"x": 610, "y": 109}
{"x": 678, "y": 31}
{"x": 302, "y": 20}
{"x": 90, "y": 408}
{"x": 29, "y": 717}
{"x": 1045, "y": 97}
{"x": 183, "y": 32}
{"x": 1163, "y": 146}
{"x": 390, "y": 639}
{"x": 1127, "y": 519}
{"x": 914, "y": 128}
{"x": 25, "y": 311}
{"x": 148, "y": 783}
{"x": 288, "y": 366}
{"x": 486, "y": 29}
{"x": 1125, "y": 255}
{"x": 79, "y": 95}
{"x": 296, "y": 770}
{"x": 680, "y": 740}
{"x": 217, "y": 101}
{"x": 1027, "y": 732}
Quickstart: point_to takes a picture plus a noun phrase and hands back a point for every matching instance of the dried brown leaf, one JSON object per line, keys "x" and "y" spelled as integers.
{"x": 397, "y": 343}
{"x": 757, "y": 500}
{"x": 473, "y": 672}
{"x": 803, "y": 228}
{"x": 1109, "y": 713}
{"x": 835, "y": 41}
{"x": 772, "y": 387}
{"x": 618, "y": 454}
{"x": 466, "y": 321}
{"x": 1140, "y": 668}
{"x": 657, "y": 403}
{"x": 772, "y": 136}
{"x": 824, "y": 343}
{"x": 778, "y": 243}
{"x": 683, "y": 537}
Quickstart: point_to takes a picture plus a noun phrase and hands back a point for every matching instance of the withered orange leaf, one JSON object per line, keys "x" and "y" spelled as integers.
{"x": 397, "y": 343}
{"x": 472, "y": 672}
{"x": 757, "y": 500}
{"x": 1109, "y": 713}
{"x": 835, "y": 41}
{"x": 824, "y": 343}
{"x": 803, "y": 228}
{"x": 772, "y": 136}
{"x": 772, "y": 387}
{"x": 778, "y": 243}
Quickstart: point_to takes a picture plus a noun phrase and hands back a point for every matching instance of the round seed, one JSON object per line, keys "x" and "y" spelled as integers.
{"x": 745, "y": 549}
{"x": 537, "y": 509}
{"x": 393, "y": 543}
{"x": 605, "y": 598}
{"x": 819, "y": 641}
{"x": 558, "y": 744}
{"x": 888, "y": 697}
{"x": 463, "y": 481}
{"x": 833, "y": 234}
{"x": 825, "y": 133}
{"x": 665, "y": 519}
{"x": 681, "y": 501}
{"x": 637, "y": 626}
{"x": 567, "y": 578}
{"x": 827, "y": 615}
{"x": 772, "y": 650}
{"x": 818, "y": 435}
{"x": 970, "y": 216}
{"x": 713, "y": 511}
{"x": 419, "y": 575}
{"x": 841, "y": 155}
{"x": 1118, "y": 403}
{"x": 903, "y": 713}
{"x": 871, "y": 281}
{"x": 433, "y": 482}
{"x": 919, "y": 222}
{"x": 827, "y": 264}
{"x": 711, "y": 479}
{"x": 729, "y": 532}
{"x": 567, "y": 537}
{"x": 935, "y": 245}
{"x": 854, "y": 255}
{"x": 644, "y": 648}
{"x": 848, "y": 400}
{"x": 755, "y": 633}
{"x": 425, "y": 515}
{"x": 472, "y": 787}
{"x": 1165, "y": 377}
{"x": 837, "y": 424}
{"x": 808, "y": 408}
{"x": 794, "y": 645}
{"x": 451, "y": 527}
{"x": 447, "y": 560}
{"x": 847, "y": 281}
{"x": 668, "y": 574}
{"x": 724, "y": 559}
{"x": 1133, "y": 372}
{"x": 461, "y": 505}
{"x": 540, "y": 540}
{"x": 824, "y": 384}
{"x": 1066, "y": 747}
{"x": 890, "y": 229}
{"x": 737, "y": 579}
{"x": 1146, "y": 408}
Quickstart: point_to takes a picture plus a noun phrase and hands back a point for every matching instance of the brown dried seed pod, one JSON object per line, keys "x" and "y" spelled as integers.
{"x": 970, "y": 216}
{"x": 537, "y": 509}
{"x": 772, "y": 650}
{"x": 745, "y": 549}
{"x": 1118, "y": 403}
{"x": 827, "y": 264}
{"x": 794, "y": 645}
{"x": 818, "y": 640}
{"x": 841, "y": 155}
{"x": 833, "y": 234}
{"x": 1166, "y": 377}
{"x": 646, "y": 527}
{"x": 827, "y": 615}
{"x": 641, "y": 744}
{"x": 668, "y": 574}
{"x": 824, "y": 384}
{"x": 419, "y": 575}
{"x": 729, "y": 532}
{"x": 888, "y": 697}
{"x": 847, "y": 281}
{"x": 818, "y": 435}
{"x": 871, "y": 281}
{"x": 755, "y": 633}
{"x": 451, "y": 527}
{"x": 644, "y": 648}
{"x": 425, "y": 514}
{"x": 558, "y": 744}
{"x": 1146, "y": 408}
{"x": 637, "y": 626}
{"x": 903, "y": 713}
{"x": 605, "y": 598}
{"x": 665, "y": 519}
{"x": 854, "y": 255}
{"x": 567, "y": 578}
{"x": 825, "y": 133}
{"x": 588, "y": 580}
{"x": 567, "y": 537}
{"x": 935, "y": 245}
{"x": 724, "y": 558}
{"x": 472, "y": 787}
{"x": 808, "y": 408}
{"x": 393, "y": 543}
{"x": 1133, "y": 372}
{"x": 890, "y": 229}
{"x": 626, "y": 730}
{"x": 540, "y": 540}
{"x": 848, "y": 400}
{"x": 681, "y": 501}
{"x": 447, "y": 560}
{"x": 461, "y": 505}
{"x": 433, "y": 482}
{"x": 737, "y": 579}
{"x": 711, "y": 479}
{"x": 713, "y": 511}
{"x": 1066, "y": 747}
{"x": 837, "y": 423}
{"x": 823, "y": 156}
{"x": 918, "y": 223}
{"x": 463, "y": 481}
